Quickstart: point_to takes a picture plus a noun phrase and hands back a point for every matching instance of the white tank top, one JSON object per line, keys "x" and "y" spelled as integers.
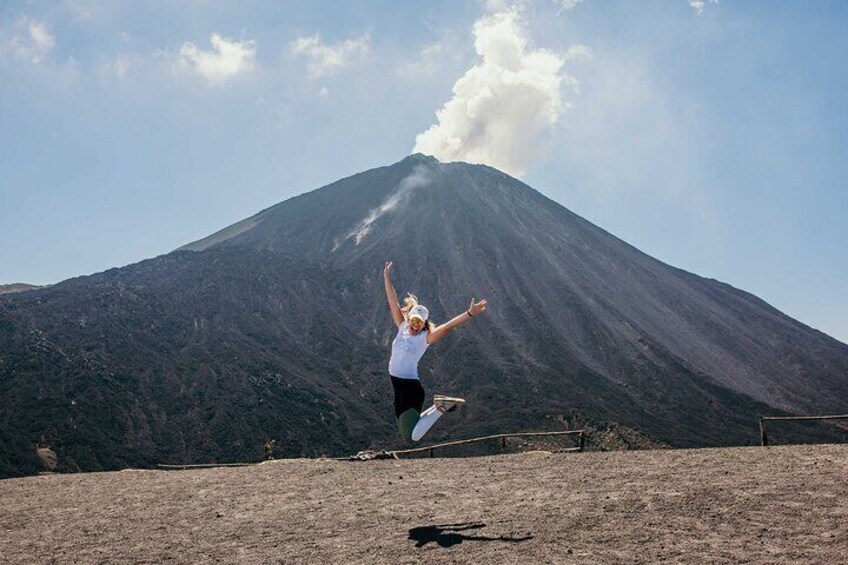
{"x": 407, "y": 350}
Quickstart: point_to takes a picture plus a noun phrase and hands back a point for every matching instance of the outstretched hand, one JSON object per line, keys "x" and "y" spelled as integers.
{"x": 387, "y": 268}
{"x": 477, "y": 307}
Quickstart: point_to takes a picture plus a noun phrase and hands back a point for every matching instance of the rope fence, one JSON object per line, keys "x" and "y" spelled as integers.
{"x": 201, "y": 466}
{"x": 369, "y": 455}
{"x": 503, "y": 437}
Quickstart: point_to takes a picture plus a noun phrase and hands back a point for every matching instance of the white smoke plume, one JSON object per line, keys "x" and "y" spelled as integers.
{"x": 418, "y": 178}
{"x": 504, "y": 107}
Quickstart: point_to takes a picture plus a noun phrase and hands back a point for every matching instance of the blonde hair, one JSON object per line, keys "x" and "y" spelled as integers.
{"x": 410, "y": 302}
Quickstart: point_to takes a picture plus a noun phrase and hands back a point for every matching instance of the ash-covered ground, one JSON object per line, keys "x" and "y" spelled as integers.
{"x": 785, "y": 504}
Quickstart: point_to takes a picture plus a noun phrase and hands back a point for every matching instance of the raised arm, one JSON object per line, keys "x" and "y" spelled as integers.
{"x": 441, "y": 331}
{"x": 391, "y": 295}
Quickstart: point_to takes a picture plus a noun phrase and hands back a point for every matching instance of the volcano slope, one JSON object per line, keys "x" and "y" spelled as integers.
{"x": 781, "y": 504}
{"x": 277, "y": 327}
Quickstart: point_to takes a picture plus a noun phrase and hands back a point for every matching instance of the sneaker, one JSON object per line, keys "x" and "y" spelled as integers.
{"x": 446, "y": 403}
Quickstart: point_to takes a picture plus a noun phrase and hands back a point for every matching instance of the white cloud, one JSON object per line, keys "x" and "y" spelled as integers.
{"x": 324, "y": 60}
{"x": 576, "y": 52}
{"x": 119, "y": 66}
{"x": 505, "y": 5}
{"x": 81, "y": 10}
{"x": 504, "y": 107}
{"x": 699, "y": 5}
{"x": 565, "y": 5}
{"x": 425, "y": 65}
{"x": 30, "y": 40}
{"x": 42, "y": 41}
{"x": 226, "y": 60}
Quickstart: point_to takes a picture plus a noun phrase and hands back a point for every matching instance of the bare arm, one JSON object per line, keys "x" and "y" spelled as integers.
{"x": 391, "y": 295}
{"x": 441, "y": 331}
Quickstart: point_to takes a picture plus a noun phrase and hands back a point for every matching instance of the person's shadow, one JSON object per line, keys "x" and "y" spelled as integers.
{"x": 445, "y": 534}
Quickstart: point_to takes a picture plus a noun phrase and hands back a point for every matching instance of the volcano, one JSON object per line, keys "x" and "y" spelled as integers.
{"x": 277, "y": 327}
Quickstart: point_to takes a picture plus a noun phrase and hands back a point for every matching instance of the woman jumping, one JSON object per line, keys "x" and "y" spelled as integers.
{"x": 415, "y": 334}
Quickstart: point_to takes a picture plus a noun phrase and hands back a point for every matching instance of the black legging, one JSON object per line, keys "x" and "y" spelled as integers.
{"x": 409, "y": 400}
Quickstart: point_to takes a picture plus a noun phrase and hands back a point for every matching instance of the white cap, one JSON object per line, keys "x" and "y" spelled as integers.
{"x": 419, "y": 312}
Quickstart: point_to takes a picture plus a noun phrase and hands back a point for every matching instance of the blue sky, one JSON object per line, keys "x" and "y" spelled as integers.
{"x": 710, "y": 135}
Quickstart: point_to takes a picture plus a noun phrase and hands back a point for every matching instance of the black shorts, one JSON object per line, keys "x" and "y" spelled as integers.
{"x": 408, "y": 394}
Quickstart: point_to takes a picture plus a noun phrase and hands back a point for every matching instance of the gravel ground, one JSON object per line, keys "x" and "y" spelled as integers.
{"x": 786, "y": 504}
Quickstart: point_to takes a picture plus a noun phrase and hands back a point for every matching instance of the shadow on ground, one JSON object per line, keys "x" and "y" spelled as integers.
{"x": 445, "y": 534}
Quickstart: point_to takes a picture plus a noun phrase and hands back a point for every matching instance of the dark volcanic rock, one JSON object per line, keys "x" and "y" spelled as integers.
{"x": 16, "y": 287}
{"x": 277, "y": 327}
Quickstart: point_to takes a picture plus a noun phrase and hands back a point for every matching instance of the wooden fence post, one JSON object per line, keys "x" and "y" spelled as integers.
{"x": 582, "y": 441}
{"x": 763, "y": 434}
